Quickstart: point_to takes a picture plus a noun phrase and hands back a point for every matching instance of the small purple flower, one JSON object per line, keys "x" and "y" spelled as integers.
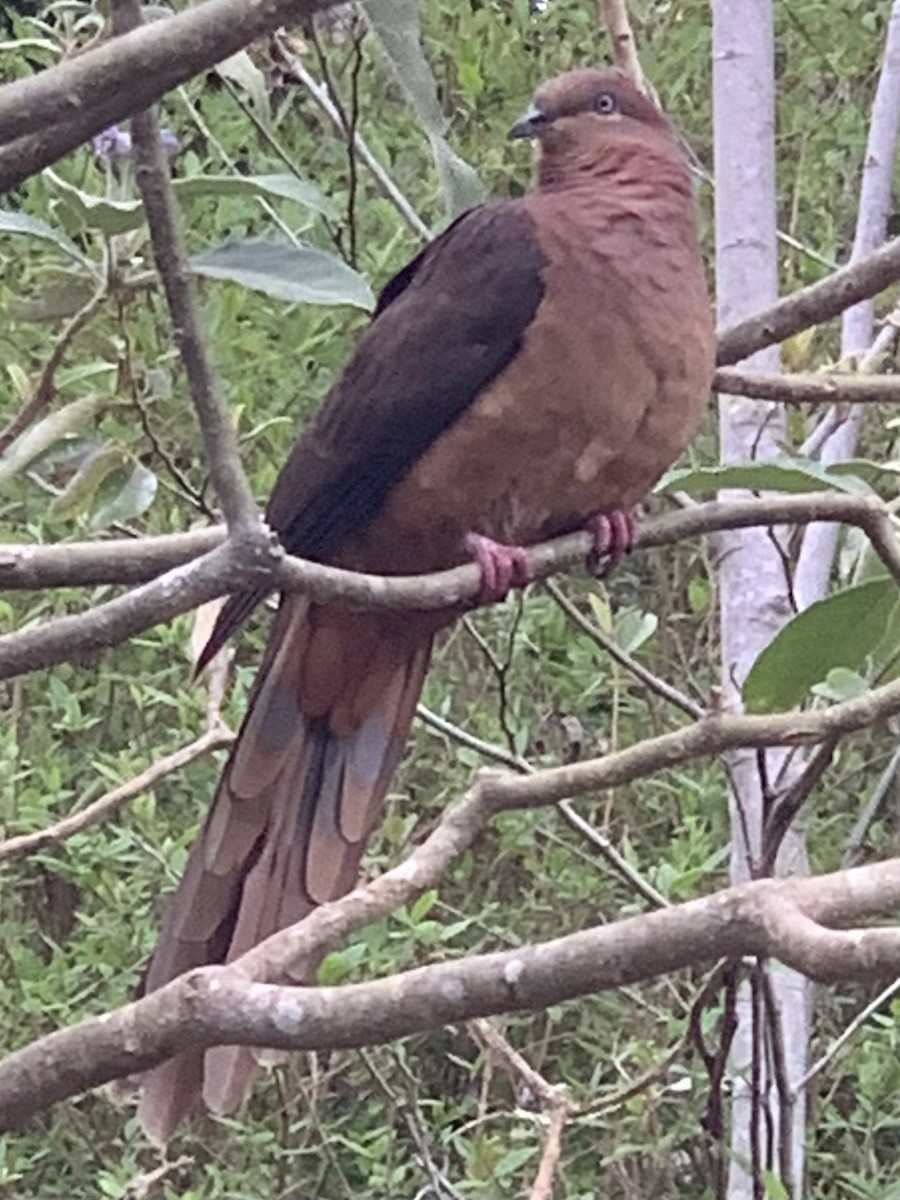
{"x": 169, "y": 141}
{"x": 112, "y": 143}
{"x": 116, "y": 143}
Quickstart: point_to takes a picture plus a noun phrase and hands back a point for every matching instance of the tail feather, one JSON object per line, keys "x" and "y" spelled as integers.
{"x": 326, "y": 727}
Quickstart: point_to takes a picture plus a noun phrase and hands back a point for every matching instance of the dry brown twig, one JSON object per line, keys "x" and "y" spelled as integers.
{"x": 27, "y": 843}
{"x": 555, "y": 1102}
{"x": 614, "y": 15}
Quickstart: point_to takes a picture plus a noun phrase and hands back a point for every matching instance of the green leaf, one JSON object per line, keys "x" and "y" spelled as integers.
{"x": 124, "y": 216}
{"x": 297, "y": 274}
{"x": 123, "y": 495}
{"x": 634, "y": 627}
{"x": 423, "y": 906}
{"x": 240, "y": 70}
{"x": 45, "y": 433}
{"x": 785, "y": 475}
{"x": 840, "y": 631}
{"x": 56, "y": 299}
{"x": 277, "y": 187}
{"x": 14, "y": 222}
{"x": 98, "y": 212}
{"x": 396, "y": 22}
{"x": 841, "y": 684}
{"x": 78, "y": 495}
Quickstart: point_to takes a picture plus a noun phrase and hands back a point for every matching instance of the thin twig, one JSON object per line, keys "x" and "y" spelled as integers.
{"x": 319, "y": 93}
{"x": 607, "y": 850}
{"x": 554, "y": 1101}
{"x": 870, "y": 811}
{"x": 45, "y": 390}
{"x": 773, "y": 1026}
{"x": 844, "y": 1037}
{"x": 626, "y": 660}
{"x": 170, "y": 256}
{"x": 60, "y": 831}
{"x": 809, "y": 388}
{"x": 598, "y": 841}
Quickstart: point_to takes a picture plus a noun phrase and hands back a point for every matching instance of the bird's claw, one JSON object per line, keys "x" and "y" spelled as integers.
{"x": 502, "y": 567}
{"x": 614, "y": 535}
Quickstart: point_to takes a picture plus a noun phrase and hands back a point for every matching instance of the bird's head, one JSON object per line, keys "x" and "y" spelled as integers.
{"x": 584, "y": 114}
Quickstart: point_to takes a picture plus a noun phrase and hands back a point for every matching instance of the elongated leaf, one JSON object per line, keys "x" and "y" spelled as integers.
{"x": 300, "y": 275}
{"x": 38, "y": 439}
{"x": 124, "y": 216}
{"x": 242, "y": 71}
{"x": 15, "y": 222}
{"x": 98, "y": 212}
{"x": 278, "y": 187}
{"x": 78, "y": 495}
{"x": 123, "y": 495}
{"x": 785, "y": 475}
{"x": 55, "y": 299}
{"x": 842, "y": 630}
{"x": 396, "y": 22}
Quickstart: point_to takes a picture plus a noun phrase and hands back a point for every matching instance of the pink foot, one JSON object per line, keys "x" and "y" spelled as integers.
{"x": 502, "y": 567}
{"x": 614, "y": 536}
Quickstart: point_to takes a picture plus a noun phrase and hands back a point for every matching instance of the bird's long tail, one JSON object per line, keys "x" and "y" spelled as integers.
{"x": 325, "y": 730}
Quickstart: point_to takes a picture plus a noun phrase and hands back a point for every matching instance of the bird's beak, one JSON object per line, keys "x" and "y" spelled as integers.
{"x": 530, "y": 124}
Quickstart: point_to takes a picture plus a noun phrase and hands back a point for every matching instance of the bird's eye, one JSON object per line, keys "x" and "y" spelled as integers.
{"x": 605, "y": 103}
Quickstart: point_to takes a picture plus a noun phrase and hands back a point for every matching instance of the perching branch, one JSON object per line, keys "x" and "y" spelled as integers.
{"x": 224, "y": 569}
{"x": 65, "y": 638}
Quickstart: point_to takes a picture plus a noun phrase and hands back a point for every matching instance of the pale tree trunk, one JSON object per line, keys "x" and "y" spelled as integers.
{"x": 857, "y": 327}
{"x": 753, "y": 587}
{"x": 755, "y": 593}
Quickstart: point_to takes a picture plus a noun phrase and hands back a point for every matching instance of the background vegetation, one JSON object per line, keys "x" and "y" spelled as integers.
{"x": 79, "y": 919}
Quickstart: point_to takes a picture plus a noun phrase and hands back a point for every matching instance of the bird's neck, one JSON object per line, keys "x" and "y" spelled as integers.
{"x": 639, "y": 169}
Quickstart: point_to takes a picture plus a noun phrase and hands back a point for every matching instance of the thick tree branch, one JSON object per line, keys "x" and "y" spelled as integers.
{"x": 117, "y": 78}
{"x": 87, "y": 564}
{"x": 811, "y": 305}
{"x": 66, "y": 638}
{"x": 217, "y": 1005}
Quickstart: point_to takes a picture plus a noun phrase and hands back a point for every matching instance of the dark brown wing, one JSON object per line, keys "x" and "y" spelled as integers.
{"x": 445, "y": 327}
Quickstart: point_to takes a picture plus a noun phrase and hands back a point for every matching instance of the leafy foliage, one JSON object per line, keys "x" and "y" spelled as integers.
{"x": 116, "y": 448}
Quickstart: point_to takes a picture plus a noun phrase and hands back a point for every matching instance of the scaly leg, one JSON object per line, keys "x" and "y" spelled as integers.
{"x": 614, "y": 536}
{"x": 502, "y": 567}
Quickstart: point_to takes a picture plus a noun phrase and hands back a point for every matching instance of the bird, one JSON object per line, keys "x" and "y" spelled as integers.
{"x": 533, "y": 371}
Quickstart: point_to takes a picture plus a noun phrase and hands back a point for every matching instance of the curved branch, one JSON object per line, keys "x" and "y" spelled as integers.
{"x": 65, "y": 638}
{"x": 218, "y": 1006}
{"x": 119, "y": 77}
{"x": 811, "y": 305}
{"x": 227, "y": 568}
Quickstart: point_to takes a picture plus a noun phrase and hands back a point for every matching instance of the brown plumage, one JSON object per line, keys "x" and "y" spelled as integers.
{"x": 541, "y": 362}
